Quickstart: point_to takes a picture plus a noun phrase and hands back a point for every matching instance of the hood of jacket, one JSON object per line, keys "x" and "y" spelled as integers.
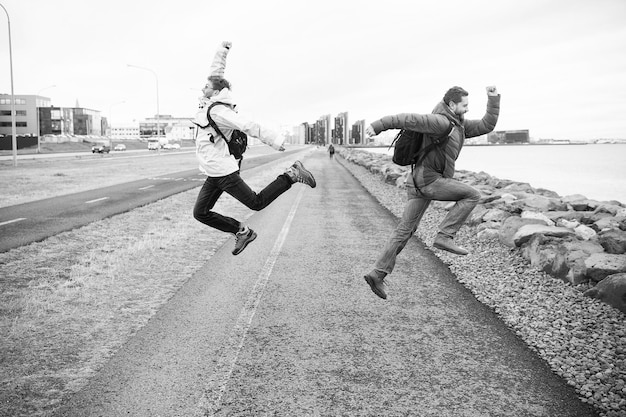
{"x": 224, "y": 96}
{"x": 442, "y": 108}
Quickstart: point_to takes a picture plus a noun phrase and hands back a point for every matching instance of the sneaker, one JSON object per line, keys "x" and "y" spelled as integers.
{"x": 298, "y": 173}
{"x": 445, "y": 243}
{"x": 242, "y": 239}
{"x": 376, "y": 283}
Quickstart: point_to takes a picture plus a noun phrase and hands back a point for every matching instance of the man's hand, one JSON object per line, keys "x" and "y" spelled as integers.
{"x": 227, "y": 44}
{"x": 492, "y": 91}
{"x": 369, "y": 131}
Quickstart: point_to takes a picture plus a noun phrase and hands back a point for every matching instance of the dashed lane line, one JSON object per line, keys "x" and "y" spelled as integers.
{"x": 96, "y": 200}
{"x": 12, "y": 221}
{"x": 146, "y": 187}
{"x": 216, "y": 386}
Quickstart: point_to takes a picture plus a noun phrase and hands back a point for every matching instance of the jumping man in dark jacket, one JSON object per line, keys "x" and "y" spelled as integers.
{"x": 432, "y": 178}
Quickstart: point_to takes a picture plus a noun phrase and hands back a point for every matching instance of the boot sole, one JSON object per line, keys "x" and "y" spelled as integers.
{"x": 373, "y": 287}
{"x": 447, "y": 249}
{"x": 235, "y": 252}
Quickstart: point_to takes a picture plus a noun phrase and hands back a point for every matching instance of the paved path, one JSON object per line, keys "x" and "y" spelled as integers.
{"x": 290, "y": 328}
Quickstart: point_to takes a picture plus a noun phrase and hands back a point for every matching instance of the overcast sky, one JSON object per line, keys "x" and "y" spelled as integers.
{"x": 560, "y": 65}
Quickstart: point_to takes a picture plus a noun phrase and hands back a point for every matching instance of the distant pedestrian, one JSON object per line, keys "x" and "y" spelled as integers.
{"x": 432, "y": 178}
{"x": 222, "y": 168}
{"x": 331, "y": 151}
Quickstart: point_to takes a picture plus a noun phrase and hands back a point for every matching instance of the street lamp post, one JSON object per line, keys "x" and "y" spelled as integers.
{"x": 37, "y": 110}
{"x": 157, "y": 94}
{"x": 13, "y": 128}
{"x": 111, "y": 121}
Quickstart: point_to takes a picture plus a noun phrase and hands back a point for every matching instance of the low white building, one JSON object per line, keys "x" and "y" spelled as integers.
{"x": 125, "y": 132}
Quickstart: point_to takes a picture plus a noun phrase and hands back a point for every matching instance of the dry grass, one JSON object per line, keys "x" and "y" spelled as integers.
{"x": 69, "y": 302}
{"x": 37, "y": 179}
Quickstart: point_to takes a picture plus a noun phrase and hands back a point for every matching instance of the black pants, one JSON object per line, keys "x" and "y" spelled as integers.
{"x": 234, "y": 185}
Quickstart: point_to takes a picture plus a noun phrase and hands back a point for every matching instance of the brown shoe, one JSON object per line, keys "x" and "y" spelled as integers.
{"x": 242, "y": 239}
{"x": 445, "y": 243}
{"x": 376, "y": 283}
{"x": 298, "y": 173}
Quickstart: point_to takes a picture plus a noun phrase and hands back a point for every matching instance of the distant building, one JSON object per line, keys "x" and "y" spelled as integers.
{"x": 340, "y": 132}
{"x": 509, "y": 136}
{"x": 125, "y": 132}
{"x": 358, "y": 133}
{"x": 26, "y": 116}
{"x": 172, "y": 128}
{"x": 71, "y": 121}
{"x": 35, "y": 116}
{"x": 321, "y": 130}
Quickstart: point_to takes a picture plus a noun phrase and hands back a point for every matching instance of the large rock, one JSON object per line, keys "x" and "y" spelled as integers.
{"x": 608, "y": 223}
{"x": 542, "y": 253}
{"x": 570, "y": 259}
{"x": 510, "y": 226}
{"x": 519, "y": 186}
{"x": 524, "y": 233}
{"x": 538, "y": 202}
{"x": 613, "y": 241}
{"x": 566, "y": 215}
{"x": 611, "y": 290}
{"x": 496, "y": 215}
{"x": 601, "y": 265}
{"x": 539, "y": 216}
{"x": 584, "y": 232}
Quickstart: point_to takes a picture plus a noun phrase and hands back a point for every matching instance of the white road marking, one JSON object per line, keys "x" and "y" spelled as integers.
{"x": 13, "y": 221}
{"x": 216, "y": 386}
{"x": 146, "y": 187}
{"x": 96, "y": 200}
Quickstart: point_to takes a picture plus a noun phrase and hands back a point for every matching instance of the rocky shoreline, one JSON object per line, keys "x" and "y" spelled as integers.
{"x": 554, "y": 269}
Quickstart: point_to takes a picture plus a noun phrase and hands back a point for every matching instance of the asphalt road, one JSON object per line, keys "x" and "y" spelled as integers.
{"x": 290, "y": 328}
{"x": 32, "y": 222}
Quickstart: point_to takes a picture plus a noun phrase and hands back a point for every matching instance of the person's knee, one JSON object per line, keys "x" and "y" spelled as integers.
{"x": 473, "y": 196}
{"x": 197, "y": 214}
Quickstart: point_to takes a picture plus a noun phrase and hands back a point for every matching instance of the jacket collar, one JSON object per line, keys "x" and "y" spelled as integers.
{"x": 443, "y": 109}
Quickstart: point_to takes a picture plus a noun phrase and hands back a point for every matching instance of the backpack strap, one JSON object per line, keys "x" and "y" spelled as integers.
{"x": 212, "y": 122}
{"x": 438, "y": 141}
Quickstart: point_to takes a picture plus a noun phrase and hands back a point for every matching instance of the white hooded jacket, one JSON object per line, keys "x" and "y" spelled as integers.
{"x": 211, "y": 149}
{"x": 214, "y": 157}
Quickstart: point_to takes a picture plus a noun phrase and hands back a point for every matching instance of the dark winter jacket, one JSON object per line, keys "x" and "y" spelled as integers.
{"x": 440, "y": 162}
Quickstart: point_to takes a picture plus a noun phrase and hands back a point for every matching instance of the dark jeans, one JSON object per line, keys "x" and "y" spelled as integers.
{"x": 443, "y": 189}
{"x": 234, "y": 185}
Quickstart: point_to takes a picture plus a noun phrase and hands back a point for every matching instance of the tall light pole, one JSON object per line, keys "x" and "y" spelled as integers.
{"x": 39, "y": 127}
{"x": 157, "y": 93}
{"x": 13, "y": 128}
{"x": 111, "y": 121}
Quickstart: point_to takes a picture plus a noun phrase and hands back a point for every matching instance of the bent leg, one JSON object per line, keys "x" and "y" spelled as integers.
{"x": 466, "y": 197}
{"x": 234, "y": 185}
{"x": 208, "y": 196}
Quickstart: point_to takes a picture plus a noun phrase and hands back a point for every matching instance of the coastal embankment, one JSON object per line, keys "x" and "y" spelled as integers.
{"x": 552, "y": 267}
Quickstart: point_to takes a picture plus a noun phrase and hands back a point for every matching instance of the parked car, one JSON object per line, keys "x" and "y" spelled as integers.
{"x": 120, "y": 147}
{"x": 168, "y": 146}
{"x": 176, "y": 146}
{"x": 100, "y": 148}
{"x": 153, "y": 145}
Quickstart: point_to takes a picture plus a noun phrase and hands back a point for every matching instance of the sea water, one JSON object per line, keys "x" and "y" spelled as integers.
{"x": 597, "y": 171}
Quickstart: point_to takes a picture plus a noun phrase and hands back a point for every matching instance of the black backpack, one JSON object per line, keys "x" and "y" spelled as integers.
{"x": 238, "y": 142}
{"x": 408, "y": 146}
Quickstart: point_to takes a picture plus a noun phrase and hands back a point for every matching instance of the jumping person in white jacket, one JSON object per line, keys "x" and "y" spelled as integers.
{"x": 222, "y": 169}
